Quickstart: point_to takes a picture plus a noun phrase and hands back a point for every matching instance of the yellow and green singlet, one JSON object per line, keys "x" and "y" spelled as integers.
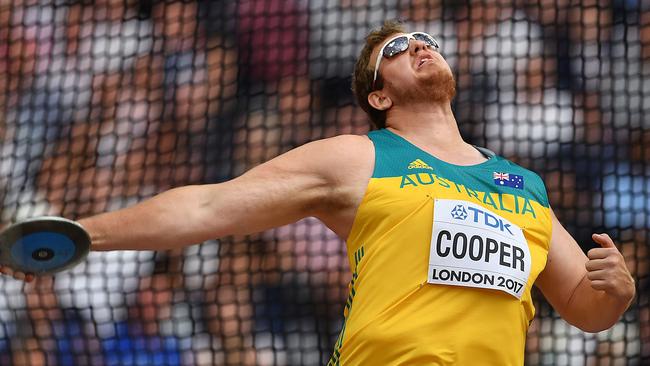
{"x": 393, "y": 316}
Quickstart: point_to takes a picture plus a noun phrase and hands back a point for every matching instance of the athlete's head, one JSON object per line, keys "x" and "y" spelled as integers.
{"x": 410, "y": 70}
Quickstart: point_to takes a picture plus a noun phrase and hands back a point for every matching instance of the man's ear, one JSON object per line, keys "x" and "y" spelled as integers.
{"x": 379, "y": 100}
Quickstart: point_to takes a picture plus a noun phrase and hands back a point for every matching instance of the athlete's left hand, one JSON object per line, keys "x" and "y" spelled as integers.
{"x": 606, "y": 270}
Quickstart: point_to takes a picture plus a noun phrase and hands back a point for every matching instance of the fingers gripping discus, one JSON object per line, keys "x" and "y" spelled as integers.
{"x": 43, "y": 245}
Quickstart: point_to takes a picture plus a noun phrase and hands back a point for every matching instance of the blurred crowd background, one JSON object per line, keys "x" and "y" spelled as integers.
{"x": 105, "y": 103}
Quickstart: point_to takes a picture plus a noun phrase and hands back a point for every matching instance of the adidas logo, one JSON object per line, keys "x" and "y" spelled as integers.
{"x": 419, "y": 164}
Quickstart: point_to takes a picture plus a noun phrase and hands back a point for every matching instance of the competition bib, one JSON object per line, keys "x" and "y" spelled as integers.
{"x": 475, "y": 247}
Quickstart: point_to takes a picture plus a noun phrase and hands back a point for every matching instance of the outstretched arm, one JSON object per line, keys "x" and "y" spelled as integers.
{"x": 278, "y": 192}
{"x": 311, "y": 180}
{"x": 590, "y": 292}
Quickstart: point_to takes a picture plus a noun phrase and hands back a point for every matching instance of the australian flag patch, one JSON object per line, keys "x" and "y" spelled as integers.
{"x": 508, "y": 180}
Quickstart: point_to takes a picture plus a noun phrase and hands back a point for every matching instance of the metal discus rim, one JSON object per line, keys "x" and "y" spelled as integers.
{"x": 14, "y": 234}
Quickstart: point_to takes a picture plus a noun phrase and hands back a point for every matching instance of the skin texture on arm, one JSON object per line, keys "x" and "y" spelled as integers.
{"x": 326, "y": 179}
{"x": 317, "y": 179}
{"x": 590, "y": 292}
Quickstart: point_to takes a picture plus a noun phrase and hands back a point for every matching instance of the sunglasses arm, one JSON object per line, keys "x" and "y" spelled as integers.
{"x": 379, "y": 56}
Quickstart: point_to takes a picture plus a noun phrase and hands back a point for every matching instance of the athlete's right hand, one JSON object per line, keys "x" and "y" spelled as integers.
{"x": 27, "y": 277}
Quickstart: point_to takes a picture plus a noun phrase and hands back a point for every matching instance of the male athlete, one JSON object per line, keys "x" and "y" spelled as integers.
{"x": 445, "y": 240}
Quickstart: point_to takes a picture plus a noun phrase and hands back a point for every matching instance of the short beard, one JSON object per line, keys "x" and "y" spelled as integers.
{"x": 441, "y": 88}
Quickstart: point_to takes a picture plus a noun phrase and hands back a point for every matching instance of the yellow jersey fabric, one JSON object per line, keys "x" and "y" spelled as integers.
{"x": 399, "y": 244}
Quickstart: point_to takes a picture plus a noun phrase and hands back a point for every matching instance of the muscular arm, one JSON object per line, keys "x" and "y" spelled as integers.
{"x": 590, "y": 292}
{"x": 325, "y": 178}
{"x": 303, "y": 182}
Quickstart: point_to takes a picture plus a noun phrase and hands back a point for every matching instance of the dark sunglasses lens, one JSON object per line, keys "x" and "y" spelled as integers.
{"x": 426, "y": 39}
{"x": 399, "y": 44}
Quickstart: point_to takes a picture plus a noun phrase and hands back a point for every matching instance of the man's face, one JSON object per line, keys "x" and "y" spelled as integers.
{"x": 419, "y": 72}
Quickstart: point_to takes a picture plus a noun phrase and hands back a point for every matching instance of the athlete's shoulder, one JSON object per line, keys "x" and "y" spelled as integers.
{"x": 344, "y": 142}
{"x": 342, "y": 148}
{"x": 330, "y": 157}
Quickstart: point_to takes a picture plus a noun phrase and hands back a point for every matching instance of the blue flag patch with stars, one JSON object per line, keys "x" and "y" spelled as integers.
{"x": 508, "y": 180}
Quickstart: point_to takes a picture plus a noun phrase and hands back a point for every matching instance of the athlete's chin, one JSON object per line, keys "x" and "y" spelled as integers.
{"x": 441, "y": 87}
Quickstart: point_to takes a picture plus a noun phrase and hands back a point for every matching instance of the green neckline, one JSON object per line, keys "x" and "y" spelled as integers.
{"x": 490, "y": 159}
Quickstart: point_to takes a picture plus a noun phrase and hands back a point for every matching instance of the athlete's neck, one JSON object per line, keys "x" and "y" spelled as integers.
{"x": 433, "y": 128}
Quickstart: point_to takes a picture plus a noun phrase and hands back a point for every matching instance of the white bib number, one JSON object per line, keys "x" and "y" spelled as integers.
{"x": 474, "y": 247}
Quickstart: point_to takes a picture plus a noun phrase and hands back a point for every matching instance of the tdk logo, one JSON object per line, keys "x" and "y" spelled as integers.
{"x": 486, "y": 218}
{"x": 459, "y": 212}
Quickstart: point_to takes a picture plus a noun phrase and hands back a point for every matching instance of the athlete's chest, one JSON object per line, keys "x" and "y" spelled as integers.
{"x": 492, "y": 239}
{"x": 397, "y": 189}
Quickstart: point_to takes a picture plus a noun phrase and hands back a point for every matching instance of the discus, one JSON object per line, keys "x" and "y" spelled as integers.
{"x": 43, "y": 245}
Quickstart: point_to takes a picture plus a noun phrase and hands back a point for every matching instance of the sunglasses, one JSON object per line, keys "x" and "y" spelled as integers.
{"x": 399, "y": 44}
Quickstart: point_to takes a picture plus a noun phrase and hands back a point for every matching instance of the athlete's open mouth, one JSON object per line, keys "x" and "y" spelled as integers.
{"x": 424, "y": 60}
